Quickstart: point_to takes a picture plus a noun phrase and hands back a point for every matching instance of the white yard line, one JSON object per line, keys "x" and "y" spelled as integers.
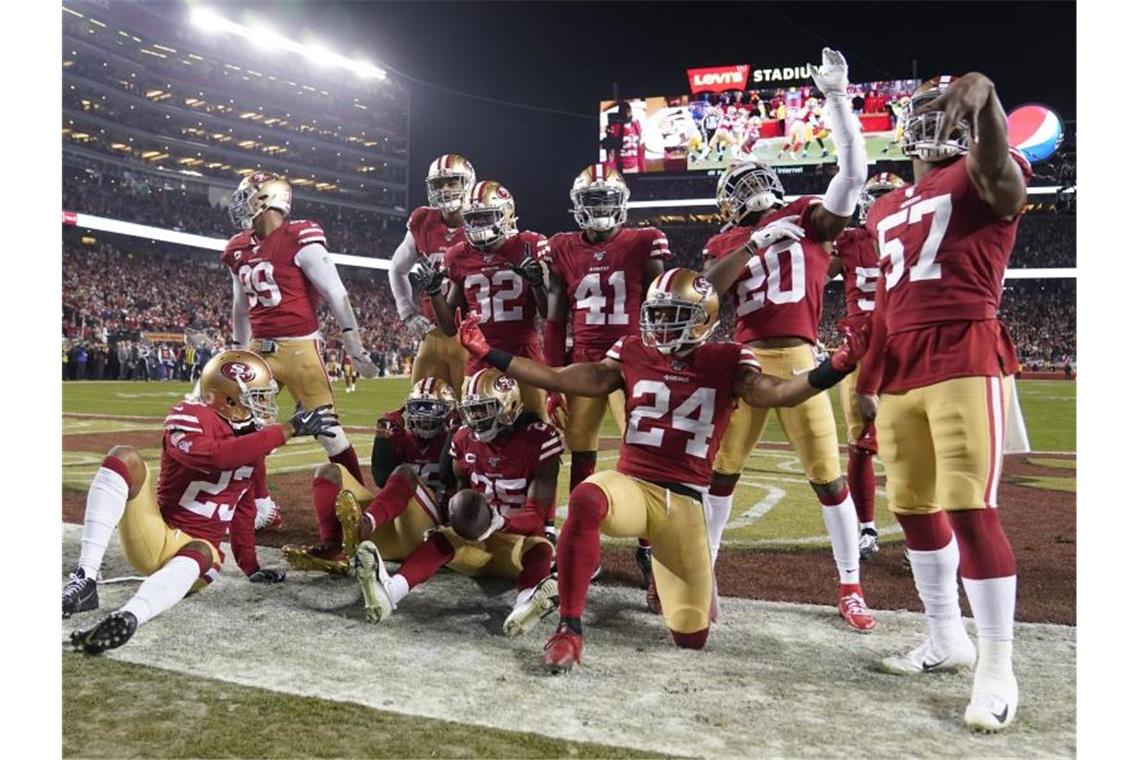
{"x": 775, "y": 679}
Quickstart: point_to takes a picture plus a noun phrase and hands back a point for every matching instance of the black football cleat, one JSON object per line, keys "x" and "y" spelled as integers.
{"x": 109, "y": 633}
{"x": 644, "y": 559}
{"x": 80, "y": 594}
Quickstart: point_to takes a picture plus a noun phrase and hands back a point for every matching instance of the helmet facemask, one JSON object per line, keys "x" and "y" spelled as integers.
{"x": 484, "y": 417}
{"x": 920, "y": 132}
{"x": 256, "y": 194}
{"x": 261, "y": 403}
{"x": 748, "y": 191}
{"x": 600, "y": 209}
{"x": 241, "y": 214}
{"x": 667, "y": 324}
{"x": 426, "y": 418}
{"x": 484, "y": 226}
{"x": 448, "y": 192}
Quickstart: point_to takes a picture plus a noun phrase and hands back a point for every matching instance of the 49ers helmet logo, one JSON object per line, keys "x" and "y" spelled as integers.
{"x": 504, "y": 383}
{"x": 702, "y": 286}
{"x": 239, "y": 371}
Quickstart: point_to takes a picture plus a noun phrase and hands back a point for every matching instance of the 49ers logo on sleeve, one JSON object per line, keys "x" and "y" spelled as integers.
{"x": 239, "y": 371}
{"x": 504, "y": 383}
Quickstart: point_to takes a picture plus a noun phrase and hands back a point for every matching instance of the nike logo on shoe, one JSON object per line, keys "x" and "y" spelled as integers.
{"x": 1000, "y": 717}
{"x": 928, "y": 666}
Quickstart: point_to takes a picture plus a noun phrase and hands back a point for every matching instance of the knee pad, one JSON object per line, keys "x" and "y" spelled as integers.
{"x": 337, "y": 444}
{"x": 588, "y": 507}
{"x": 694, "y": 640}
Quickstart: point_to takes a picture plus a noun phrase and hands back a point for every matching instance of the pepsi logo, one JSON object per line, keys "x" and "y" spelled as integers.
{"x": 239, "y": 371}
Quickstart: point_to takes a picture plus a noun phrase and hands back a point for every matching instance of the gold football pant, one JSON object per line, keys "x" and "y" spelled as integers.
{"x": 675, "y": 524}
{"x": 297, "y": 367}
{"x": 941, "y": 444}
{"x": 810, "y": 426}
{"x": 441, "y": 357}
{"x": 500, "y": 556}
{"x": 849, "y": 403}
{"x": 148, "y": 542}
{"x": 399, "y": 537}
{"x": 584, "y": 415}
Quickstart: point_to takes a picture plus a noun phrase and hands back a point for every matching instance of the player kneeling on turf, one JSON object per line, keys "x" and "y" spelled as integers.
{"x": 680, "y": 392}
{"x": 512, "y": 458}
{"x": 405, "y": 462}
{"x": 171, "y": 531}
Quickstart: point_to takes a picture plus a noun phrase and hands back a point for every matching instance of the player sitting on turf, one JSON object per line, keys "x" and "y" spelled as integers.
{"x": 171, "y": 531}
{"x": 512, "y": 458}
{"x": 405, "y": 462}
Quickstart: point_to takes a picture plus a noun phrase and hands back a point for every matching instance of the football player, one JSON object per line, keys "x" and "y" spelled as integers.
{"x": 405, "y": 464}
{"x": 511, "y": 459}
{"x": 495, "y": 273}
{"x": 597, "y": 278}
{"x": 349, "y": 372}
{"x": 171, "y": 530}
{"x": 773, "y": 261}
{"x": 279, "y": 268}
{"x": 432, "y": 229}
{"x": 941, "y": 369}
{"x": 855, "y": 256}
{"x": 680, "y": 393}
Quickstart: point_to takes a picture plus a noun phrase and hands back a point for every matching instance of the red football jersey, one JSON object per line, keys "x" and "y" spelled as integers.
{"x": 779, "y": 293}
{"x": 856, "y": 250}
{"x": 943, "y": 257}
{"x": 677, "y": 408}
{"x": 422, "y": 456}
{"x": 501, "y": 297}
{"x": 504, "y": 468}
{"x": 432, "y": 237}
{"x": 604, "y": 284}
{"x": 632, "y": 154}
{"x": 282, "y": 301}
{"x": 195, "y": 494}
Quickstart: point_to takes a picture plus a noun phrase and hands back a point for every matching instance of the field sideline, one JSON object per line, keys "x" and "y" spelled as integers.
{"x": 776, "y": 679}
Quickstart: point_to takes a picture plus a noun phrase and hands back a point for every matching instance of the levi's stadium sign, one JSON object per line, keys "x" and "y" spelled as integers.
{"x": 722, "y": 78}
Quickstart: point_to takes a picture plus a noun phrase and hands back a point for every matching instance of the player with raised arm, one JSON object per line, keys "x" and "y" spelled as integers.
{"x": 855, "y": 256}
{"x": 597, "y": 279}
{"x": 940, "y": 369}
{"x": 505, "y": 461}
{"x": 495, "y": 273}
{"x": 281, "y": 269}
{"x": 773, "y": 261}
{"x": 171, "y": 530}
{"x": 680, "y": 392}
{"x": 432, "y": 229}
{"x": 406, "y": 452}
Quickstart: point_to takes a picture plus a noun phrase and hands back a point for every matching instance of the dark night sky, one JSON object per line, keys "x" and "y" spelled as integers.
{"x": 566, "y": 56}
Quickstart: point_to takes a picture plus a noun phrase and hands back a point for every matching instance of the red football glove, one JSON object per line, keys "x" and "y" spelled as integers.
{"x": 471, "y": 335}
{"x": 556, "y": 410}
{"x": 856, "y": 336}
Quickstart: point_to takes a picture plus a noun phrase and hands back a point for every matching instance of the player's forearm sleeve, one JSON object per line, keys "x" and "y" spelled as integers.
{"x": 851, "y": 154}
{"x": 383, "y": 460}
{"x": 554, "y": 342}
{"x": 446, "y": 471}
{"x": 241, "y": 535}
{"x": 241, "y": 327}
{"x": 318, "y": 267}
{"x": 402, "y": 261}
{"x": 528, "y": 522}
{"x": 200, "y": 451}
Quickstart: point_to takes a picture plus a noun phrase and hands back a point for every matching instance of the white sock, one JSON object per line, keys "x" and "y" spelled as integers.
{"x": 936, "y": 578}
{"x": 843, "y": 529}
{"x": 992, "y": 601}
{"x": 717, "y": 511}
{"x": 995, "y": 663}
{"x": 398, "y": 588}
{"x": 106, "y": 502}
{"x": 524, "y": 596}
{"x": 161, "y": 591}
{"x": 867, "y": 525}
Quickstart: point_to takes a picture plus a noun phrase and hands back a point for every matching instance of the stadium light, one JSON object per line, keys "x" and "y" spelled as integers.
{"x": 207, "y": 20}
{"x": 266, "y": 38}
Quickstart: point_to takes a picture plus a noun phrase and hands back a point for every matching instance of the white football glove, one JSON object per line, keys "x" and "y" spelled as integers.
{"x": 831, "y": 77}
{"x": 777, "y": 230}
{"x": 418, "y": 325}
{"x": 497, "y": 522}
{"x": 355, "y": 347}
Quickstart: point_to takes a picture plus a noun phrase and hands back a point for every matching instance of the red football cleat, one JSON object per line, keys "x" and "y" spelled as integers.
{"x": 652, "y": 601}
{"x": 854, "y": 610}
{"x": 563, "y": 650}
